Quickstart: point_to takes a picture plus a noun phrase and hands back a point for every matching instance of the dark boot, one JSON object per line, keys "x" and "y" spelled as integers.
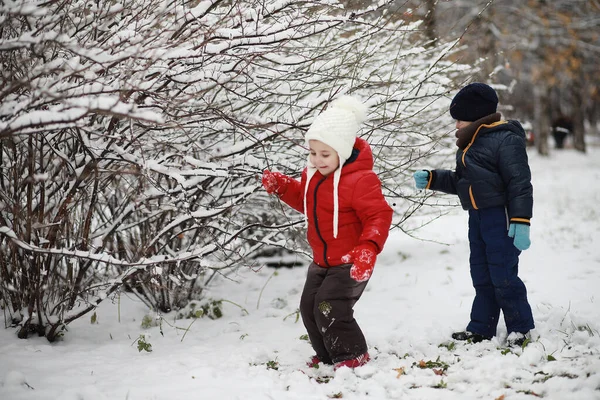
{"x": 469, "y": 336}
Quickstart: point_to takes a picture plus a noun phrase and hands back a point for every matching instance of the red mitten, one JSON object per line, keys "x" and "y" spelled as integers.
{"x": 363, "y": 258}
{"x": 274, "y": 182}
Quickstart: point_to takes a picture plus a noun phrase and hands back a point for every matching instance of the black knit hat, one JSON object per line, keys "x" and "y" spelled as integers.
{"x": 474, "y": 101}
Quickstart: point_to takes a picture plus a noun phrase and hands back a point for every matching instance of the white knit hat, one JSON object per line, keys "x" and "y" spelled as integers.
{"x": 337, "y": 127}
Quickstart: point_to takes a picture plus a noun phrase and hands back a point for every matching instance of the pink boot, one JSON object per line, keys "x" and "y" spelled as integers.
{"x": 314, "y": 362}
{"x": 353, "y": 362}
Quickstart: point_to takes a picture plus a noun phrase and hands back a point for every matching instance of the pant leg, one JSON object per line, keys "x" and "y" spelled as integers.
{"x": 314, "y": 279}
{"x": 334, "y": 314}
{"x": 485, "y": 310}
{"x": 559, "y": 138}
{"x": 503, "y": 261}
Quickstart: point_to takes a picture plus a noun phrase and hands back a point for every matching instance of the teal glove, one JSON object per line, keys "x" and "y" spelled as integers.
{"x": 521, "y": 234}
{"x": 421, "y": 179}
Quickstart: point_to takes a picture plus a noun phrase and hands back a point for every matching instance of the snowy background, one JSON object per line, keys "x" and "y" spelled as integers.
{"x": 420, "y": 293}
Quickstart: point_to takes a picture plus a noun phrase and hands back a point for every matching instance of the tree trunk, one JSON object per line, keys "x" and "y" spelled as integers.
{"x": 578, "y": 116}
{"x": 540, "y": 120}
{"x": 430, "y": 22}
{"x": 592, "y": 115}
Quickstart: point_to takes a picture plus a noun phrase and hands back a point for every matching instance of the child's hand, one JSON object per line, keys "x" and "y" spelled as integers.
{"x": 274, "y": 182}
{"x": 421, "y": 179}
{"x": 521, "y": 234}
{"x": 363, "y": 258}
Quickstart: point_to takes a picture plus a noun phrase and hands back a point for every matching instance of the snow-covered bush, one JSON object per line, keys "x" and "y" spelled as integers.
{"x": 133, "y": 135}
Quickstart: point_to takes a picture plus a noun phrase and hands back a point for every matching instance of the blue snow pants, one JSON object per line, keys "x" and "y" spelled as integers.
{"x": 494, "y": 262}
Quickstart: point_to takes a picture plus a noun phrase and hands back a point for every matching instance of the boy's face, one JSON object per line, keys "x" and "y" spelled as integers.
{"x": 462, "y": 124}
{"x": 324, "y": 157}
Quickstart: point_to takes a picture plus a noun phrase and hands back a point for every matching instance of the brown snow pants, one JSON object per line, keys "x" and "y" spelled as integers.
{"x": 326, "y": 307}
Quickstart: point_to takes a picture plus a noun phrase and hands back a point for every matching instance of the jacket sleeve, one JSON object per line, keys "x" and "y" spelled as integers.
{"x": 373, "y": 210}
{"x": 513, "y": 166}
{"x": 442, "y": 180}
{"x": 294, "y": 193}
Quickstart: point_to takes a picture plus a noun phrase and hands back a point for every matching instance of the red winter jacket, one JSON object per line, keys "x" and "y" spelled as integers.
{"x": 364, "y": 214}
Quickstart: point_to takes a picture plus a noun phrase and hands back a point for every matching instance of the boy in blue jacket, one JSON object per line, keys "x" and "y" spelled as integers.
{"x": 493, "y": 182}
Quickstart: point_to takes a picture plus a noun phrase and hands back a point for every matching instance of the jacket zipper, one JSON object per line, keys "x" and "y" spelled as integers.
{"x": 472, "y": 198}
{"x": 465, "y": 153}
{"x": 475, "y": 136}
{"x": 317, "y": 222}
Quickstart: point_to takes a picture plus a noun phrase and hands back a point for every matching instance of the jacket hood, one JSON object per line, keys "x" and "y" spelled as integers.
{"x": 361, "y": 158}
{"x": 516, "y": 127}
{"x": 512, "y": 126}
{"x": 491, "y": 123}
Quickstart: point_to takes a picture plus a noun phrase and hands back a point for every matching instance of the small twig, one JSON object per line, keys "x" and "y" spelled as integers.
{"x": 297, "y": 313}
{"x": 263, "y": 288}
{"x": 235, "y": 304}
{"x": 188, "y": 328}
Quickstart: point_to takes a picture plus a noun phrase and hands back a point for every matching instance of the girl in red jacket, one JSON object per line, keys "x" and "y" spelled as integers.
{"x": 348, "y": 223}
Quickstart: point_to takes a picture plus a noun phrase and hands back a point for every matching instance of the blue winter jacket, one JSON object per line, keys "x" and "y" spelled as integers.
{"x": 492, "y": 169}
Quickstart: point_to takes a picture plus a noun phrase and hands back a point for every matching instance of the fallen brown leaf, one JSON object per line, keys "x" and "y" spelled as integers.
{"x": 400, "y": 372}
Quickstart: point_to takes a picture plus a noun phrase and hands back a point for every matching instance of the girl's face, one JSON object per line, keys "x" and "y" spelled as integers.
{"x": 324, "y": 157}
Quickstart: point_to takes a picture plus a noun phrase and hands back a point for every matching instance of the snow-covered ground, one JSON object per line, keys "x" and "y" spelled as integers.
{"x": 419, "y": 294}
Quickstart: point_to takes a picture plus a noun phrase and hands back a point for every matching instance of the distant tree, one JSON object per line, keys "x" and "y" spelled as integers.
{"x": 133, "y": 136}
{"x": 546, "y": 54}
